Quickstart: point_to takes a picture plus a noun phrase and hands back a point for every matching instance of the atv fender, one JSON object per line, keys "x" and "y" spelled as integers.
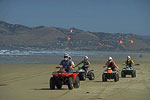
{"x": 74, "y": 76}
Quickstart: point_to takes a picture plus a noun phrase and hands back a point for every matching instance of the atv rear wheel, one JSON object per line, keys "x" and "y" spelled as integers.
{"x": 52, "y": 83}
{"x": 133, "y": 73}
{"x": 123, "y": 74}
{"x": 115, "y": 78}
{"x": 104, "y": 78}
{"x": 70, "y": 83}
{"x": 77, "y": 82}
{"x": 91, "y": 76}
{"x": 59, "y": 84}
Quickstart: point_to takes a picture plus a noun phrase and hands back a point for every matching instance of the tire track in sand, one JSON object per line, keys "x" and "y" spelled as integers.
{"x": 8, "y": 81}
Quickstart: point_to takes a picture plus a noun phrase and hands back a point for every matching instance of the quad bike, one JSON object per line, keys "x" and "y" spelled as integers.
{"x": 110, "y": 74}
{"x": 128, "y": 71}
{"x": 62, "y": 77}
{"x": 83, "y": 75}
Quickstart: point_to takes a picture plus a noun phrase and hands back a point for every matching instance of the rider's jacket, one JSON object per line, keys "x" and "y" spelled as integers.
{"x": 66, "y": 64}
{"x": 129, "y": 63}
{"x": 84, "y": 62}
{"x": 112, "y": 65}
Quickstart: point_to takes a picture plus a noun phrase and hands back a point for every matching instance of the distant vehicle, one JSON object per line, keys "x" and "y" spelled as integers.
{"x": 62, "y": 77}
{"x": 128, "y": 71}
{"x": 110, "y": 74}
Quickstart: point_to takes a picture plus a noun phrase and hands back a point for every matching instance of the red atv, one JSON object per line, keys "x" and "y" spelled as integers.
{"x": 64, "y": 78}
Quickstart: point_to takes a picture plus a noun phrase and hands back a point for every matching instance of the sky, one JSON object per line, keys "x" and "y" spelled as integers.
{"x": 112, "y": 16}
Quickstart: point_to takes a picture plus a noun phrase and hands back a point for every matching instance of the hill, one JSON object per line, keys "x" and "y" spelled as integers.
{"x": 15, "y": 36}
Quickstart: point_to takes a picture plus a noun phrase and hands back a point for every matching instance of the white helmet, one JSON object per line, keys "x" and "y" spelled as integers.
{"x": 70, "y": 57}
{"x": 66, "y": 56}
{"x": 110, "y": 58}
{"x": 128, "y": 57}
{"x": 86, "y": 58}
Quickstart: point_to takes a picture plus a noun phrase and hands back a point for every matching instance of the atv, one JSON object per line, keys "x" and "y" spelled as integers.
{"x": 62, "y": 77}
{"x": 110, "y": 74}
{"x": 128, "y": 71}
{"x": 83, "y": 75}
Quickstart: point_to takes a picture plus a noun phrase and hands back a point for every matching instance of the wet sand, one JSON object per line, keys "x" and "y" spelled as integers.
{"x": 31, "y": 82}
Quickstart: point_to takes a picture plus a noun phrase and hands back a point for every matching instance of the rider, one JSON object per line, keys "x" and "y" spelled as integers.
{"x": 66, "y": 64}
{"x": 111, "y": 63}
{"x": 129, "y": 62}
{"x": 70, "y": 58}
{"x": 86, "y": 63}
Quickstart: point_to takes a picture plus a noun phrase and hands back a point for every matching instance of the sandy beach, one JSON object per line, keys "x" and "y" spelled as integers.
{"x": 31, "y": 82}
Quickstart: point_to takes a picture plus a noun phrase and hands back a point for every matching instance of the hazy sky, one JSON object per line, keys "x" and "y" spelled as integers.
{"x": 124, "y": 16}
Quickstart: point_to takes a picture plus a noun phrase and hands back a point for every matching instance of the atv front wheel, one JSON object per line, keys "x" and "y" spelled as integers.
{"x": 82, "y": 76}
{"x": 52, "y": 83}
{"x": 91, "y": 76}
{"x": 70, "y": 83}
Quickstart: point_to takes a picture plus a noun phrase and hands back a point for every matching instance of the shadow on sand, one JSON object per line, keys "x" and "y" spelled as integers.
{"x": 50, "y": 89}
{"x": 126, "y": 77}
{"x": 103, "y": 82}
{"x": 3, "y": 84}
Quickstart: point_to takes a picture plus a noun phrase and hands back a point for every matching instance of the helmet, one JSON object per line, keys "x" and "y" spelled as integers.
{"x": 128, "y": 57}
{"x": 66, "y": 56}
{"x": 110, "y": 58}
{"x": 70, "y": 57}
{"x": 86, "y": 58}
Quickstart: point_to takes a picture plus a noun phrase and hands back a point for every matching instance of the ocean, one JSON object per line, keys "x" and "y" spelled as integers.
{"x": 18, "y": 56}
